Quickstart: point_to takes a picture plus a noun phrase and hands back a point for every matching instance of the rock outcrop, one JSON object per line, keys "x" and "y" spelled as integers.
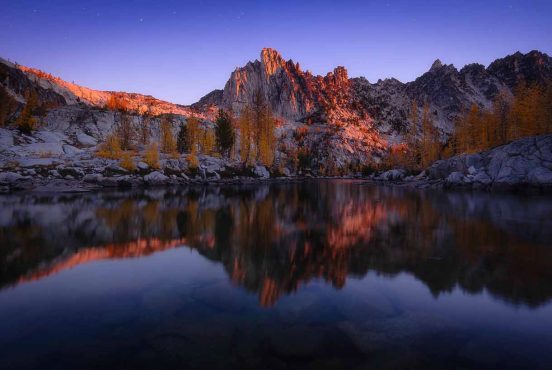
{"x": 523, "y": 163}
{"x": 296, "y": 95}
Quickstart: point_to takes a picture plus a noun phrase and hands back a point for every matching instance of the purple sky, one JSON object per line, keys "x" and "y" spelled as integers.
{"x": 181, "y": 50}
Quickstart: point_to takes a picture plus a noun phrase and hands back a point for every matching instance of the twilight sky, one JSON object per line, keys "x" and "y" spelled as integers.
{"x": 181, "y": 50}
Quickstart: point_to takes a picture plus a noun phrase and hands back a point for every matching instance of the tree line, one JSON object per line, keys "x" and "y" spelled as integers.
{"x": 525, "y": 112}
{"x": 251, "y": 136}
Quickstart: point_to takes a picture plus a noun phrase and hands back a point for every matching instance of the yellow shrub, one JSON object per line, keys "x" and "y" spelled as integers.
{"x": 193, "y": 162}
{"x": 151, "y": 156}
{"x": 127, "y": 162}
{"x": 111, "y": 148}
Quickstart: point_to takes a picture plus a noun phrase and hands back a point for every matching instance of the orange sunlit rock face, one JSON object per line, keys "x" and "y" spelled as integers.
{"x": 134, "y": 102}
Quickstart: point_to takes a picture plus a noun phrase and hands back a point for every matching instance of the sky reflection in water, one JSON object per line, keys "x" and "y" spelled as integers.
{"x": 321, "y": 274}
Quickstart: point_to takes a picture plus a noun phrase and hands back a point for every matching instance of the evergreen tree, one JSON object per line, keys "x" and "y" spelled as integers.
{"x": 145, "y": 128}
{"x": 224, "y": 132}
{"x": 430, "y": 139}
{"x": 246, "y": 134}
{"x": 26, "y": 122}
{"x": 125, "y": 131}
{"x": 182, "y": 144}
{"x": 193, "y": 134}
{"x": 7, "y": 106}
{"x": 168, "y": 143}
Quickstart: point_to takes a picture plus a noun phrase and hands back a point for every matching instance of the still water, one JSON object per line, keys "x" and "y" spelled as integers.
{"x": 312, "y": 275}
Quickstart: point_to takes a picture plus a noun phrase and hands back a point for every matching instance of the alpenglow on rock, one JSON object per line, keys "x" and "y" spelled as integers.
{"x": 290, "y": 92}
{"x": 297, "y": 95}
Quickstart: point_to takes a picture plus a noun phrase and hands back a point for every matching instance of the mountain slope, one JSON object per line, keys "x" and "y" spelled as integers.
{"x": 299, "y": 96}
{"x": 56, "y": 92}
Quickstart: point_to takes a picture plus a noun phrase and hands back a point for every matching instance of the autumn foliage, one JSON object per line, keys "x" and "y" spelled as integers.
{"x": 528, "y": 112}
{"x": 110, "y": 148}
{"x": 26, "y": 123}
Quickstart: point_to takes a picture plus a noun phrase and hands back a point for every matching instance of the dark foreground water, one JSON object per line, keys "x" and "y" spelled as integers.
{"x": 314, "y": 275}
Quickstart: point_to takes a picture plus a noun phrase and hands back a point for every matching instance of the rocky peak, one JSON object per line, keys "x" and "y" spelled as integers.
{"x": 436, "y": 65}
{"x": 271, "y": 61}
{"x": 339, "y": 76}
{"x": 533, "y": 67}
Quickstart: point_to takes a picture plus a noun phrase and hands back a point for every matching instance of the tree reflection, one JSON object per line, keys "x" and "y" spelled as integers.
{"x": 271, "y": 239}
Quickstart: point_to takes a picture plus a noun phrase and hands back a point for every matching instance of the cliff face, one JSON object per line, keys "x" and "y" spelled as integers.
{"x": 291, "y": 93}
{"x": 296, "y": 95}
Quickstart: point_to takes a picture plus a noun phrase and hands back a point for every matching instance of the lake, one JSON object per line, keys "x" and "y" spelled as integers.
{"x": 319, "y": 274}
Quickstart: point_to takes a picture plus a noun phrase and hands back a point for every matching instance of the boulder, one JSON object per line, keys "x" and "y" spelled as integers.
{"x": 92, "y": 178}
{"x": 261, "y": 172}
{"x": 71, "y": 150}
{"x": 75, "y": 173}
{"x": 156, "y": 178}
{"x": 10, "y": 177}
{"x": 143, "y": 166}
{"x": 392, "y": 175}
{"x": 86, "y": 140}
{"x": 455, "y": 178}
{"x": 540, "y": 176}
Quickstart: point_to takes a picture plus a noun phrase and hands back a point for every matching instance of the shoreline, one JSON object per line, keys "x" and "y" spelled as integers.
{"x": 124, "y": 183}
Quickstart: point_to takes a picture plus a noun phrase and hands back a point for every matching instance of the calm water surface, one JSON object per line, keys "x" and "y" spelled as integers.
{"x": 316, "y": 275}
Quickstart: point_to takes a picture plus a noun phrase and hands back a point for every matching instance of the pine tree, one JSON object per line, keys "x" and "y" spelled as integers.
{"x": 412, "y": 160}
{"x": 264, "y": 125}
{"x": 145, "y": 129}
{"x": 125, "y": 131}
{"x": 168, "y": 143}
{"x": 209, "y": 141}
{"x": 499, "y": 119}
{"x": 7, "y": 106}
{"x": 26, "y": 122}
{"x": 193, "y": 133}
{"x": 430, "y": 139}
{"x": 224, "y": 131}
{"x": 182, "y": 144}
{"x": 246, "y": 134}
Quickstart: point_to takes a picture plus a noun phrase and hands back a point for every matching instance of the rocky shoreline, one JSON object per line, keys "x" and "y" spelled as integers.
{"x": 525, "y": 164}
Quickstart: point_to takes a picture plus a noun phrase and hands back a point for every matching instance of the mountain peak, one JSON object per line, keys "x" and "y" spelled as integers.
{"x": 271, "y": 60}
{"x": 436, "y": 65}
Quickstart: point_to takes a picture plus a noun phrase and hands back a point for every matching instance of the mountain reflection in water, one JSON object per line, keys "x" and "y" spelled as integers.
{"x": 312, "y": 275}
{"x": 271, "y": 239}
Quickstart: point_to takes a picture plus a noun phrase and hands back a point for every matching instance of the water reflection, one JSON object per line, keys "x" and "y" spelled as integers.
{"x": 272, "y": 239}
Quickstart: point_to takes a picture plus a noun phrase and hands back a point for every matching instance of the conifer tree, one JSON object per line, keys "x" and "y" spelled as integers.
{"x": 26, "y": 122}
{"x": 125, "y": 131}
{"x": 430, "y": 139}
{"x": 168, "y": 143}
{"x": 224, "y": 131}
{"x": 412, "y": 153}
{"x": 246, "y": 134}
{"x": 182, "y": 144}
{"x": 193, "y": 133}
{"x": 7, "y": 106}
{"x": 144, "y": 131}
